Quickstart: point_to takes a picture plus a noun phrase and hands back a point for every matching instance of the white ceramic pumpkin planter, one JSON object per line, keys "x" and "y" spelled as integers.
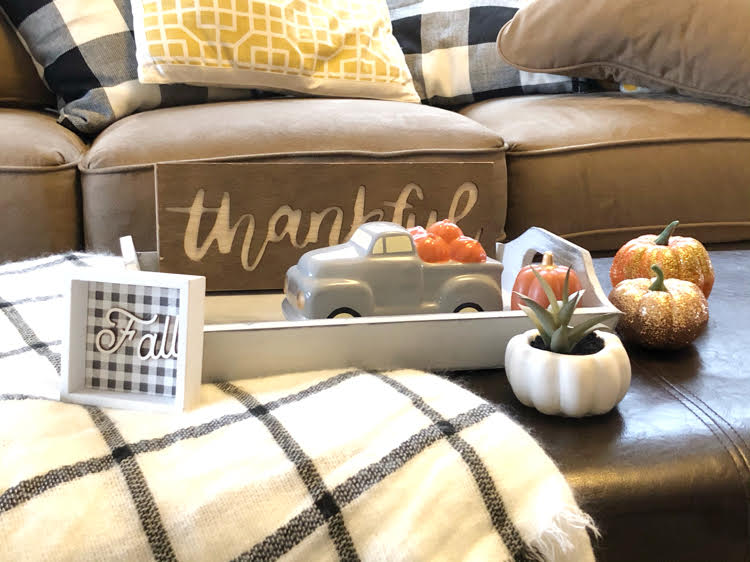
{"x": 568, "y": 385}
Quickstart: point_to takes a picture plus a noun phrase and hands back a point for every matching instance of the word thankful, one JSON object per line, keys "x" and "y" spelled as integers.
{"x": 150, "y": 345}
{"x": 286, "y": 220}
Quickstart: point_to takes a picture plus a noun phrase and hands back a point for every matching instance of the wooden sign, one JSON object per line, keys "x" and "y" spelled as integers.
{"x": 134, "y": 340}
{"x": 242, "y": 225}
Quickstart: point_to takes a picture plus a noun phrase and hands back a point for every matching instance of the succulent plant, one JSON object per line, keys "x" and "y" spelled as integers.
{"x": 553, "y": 322}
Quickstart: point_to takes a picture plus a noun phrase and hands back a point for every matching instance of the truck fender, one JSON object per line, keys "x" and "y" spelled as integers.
{"x": 469, "y": 290}
{"x": 341, "y": 295}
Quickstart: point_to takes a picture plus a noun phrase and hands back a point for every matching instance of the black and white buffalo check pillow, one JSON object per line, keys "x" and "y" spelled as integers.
{"x": 451, "y": 50}
{"x": 334, "y": 465}
{"x": 85, "y": 52}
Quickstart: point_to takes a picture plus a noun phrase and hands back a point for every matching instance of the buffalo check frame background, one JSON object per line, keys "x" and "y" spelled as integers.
{"x": 134, "y": 340}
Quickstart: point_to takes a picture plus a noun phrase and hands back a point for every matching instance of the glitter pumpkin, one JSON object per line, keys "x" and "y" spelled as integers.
{"x": 660, "y": 313}
{"x": 679, "y": 257}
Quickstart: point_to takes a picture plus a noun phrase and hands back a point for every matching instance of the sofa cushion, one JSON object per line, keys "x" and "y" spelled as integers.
{"x": 599, "y": 169}
{"x": 329, "y": 48}
{"x": 20, "y": 84}
{"x": 118, "y": 171}
{"x": 39, "y": 191}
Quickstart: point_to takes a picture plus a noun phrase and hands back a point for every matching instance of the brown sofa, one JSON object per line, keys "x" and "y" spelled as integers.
{"x": 595, "y": 168}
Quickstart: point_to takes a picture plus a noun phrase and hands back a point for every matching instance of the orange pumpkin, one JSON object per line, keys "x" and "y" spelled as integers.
{"x": 431, "y": 248}
{"x": 528, "y": 285}
{"x": 447, "y": 230}
{"x": 679, "y": 257}
{"x": 465, "y": 249}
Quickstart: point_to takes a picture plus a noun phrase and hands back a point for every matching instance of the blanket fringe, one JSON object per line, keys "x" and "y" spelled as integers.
{"x": 553, "y": 543}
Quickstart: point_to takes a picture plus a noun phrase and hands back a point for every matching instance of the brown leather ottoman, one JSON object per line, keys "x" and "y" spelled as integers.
{"x": 666, "y": 475}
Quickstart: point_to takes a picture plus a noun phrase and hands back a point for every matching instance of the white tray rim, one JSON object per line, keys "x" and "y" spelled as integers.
{"x": 250, "y": 349}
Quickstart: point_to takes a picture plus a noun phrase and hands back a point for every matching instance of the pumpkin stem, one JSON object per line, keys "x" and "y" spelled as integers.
{"x": 658, "y": 284}
{"x": 663, "y": 238}
{"x": 548, "y": 259}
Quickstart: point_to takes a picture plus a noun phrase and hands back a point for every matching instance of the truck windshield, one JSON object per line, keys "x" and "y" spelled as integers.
{"x": 361, "y": 239}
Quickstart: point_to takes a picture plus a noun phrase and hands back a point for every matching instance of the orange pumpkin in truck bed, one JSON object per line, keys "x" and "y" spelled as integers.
{"x": 679, "y": 257}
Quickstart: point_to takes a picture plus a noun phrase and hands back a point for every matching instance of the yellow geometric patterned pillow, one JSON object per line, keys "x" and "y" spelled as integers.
{"x": 323, "y": 47}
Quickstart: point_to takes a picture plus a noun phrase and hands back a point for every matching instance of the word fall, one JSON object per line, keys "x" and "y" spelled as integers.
{"x": 150, "y": 345}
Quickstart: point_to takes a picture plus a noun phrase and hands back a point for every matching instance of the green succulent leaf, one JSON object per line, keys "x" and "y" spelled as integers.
{"x": 560, "y": 341}
{"x": 543, "y": 315}
{"x": 566, "y": 287}
{"x": 533, "y": 317}
{"x": 567, "y": 309}
{"x": 551, "y": 297}
{"x": 589, "y": 325}
{"x": 553, "y": 323}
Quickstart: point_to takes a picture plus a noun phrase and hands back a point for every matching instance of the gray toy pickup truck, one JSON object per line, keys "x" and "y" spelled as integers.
{"x": 378, "y": 272}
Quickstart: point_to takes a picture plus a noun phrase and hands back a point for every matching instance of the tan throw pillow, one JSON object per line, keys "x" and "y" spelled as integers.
{"x": 700, "y": 48}
{"x": 322, "y": 47}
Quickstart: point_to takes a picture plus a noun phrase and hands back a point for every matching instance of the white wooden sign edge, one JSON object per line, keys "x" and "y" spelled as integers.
{"x": 192, "y": 290}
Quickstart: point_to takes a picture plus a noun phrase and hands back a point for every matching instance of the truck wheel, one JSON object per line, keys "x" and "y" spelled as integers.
{"x": 344, "y": 312}
{"x": 468, "y": 307}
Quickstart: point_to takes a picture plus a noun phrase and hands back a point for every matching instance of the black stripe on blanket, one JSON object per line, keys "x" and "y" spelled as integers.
{"x": 305, "y": 523}
{"x": 326, "y": 508}
{"x": 67, "y": 257}
{"x": 28, "y": 348}
{"x": 145, "y": 505}
{"x": 32, "y": 299}
{"x": 194, "y": 432}
{"x": 8, "y": 397}
{"x": 27, "y": 489}
{"x": 28, "y": 335}
{"x": 34, "y": 346}
{"x": 492, "y": 500}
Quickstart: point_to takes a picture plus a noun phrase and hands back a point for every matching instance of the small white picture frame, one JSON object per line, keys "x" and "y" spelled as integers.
{"x": 133, "y": 339}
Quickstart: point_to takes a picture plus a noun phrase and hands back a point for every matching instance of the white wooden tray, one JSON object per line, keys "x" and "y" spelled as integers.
{"x": 247, "y": 336}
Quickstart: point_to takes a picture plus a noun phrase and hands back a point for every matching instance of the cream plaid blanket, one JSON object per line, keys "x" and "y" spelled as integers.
{"x": 307, "y": 466}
